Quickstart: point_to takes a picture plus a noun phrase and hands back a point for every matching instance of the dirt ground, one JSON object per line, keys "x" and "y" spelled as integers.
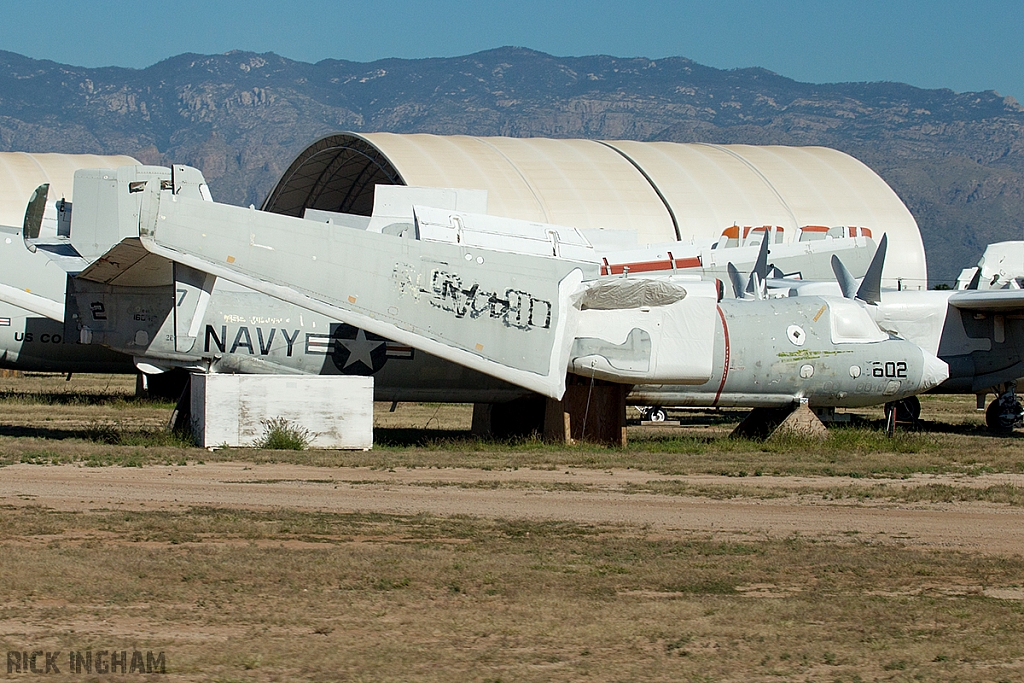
{"x": 577, "y": 495}
{"x": 439, "y": 558}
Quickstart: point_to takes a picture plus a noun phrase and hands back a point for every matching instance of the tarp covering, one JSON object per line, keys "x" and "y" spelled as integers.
{"x": 609, "y": 295}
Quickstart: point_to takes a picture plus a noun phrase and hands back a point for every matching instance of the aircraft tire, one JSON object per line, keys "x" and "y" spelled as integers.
{"x": 907, "y": 410}
{"x": 655, "y": 414}
{"x": 1003, "y": 414}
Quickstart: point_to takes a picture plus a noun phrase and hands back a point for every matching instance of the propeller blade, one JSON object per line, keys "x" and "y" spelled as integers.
{"x": 737, "y": 281}
{"x": 846, "y": 282}
{"x": 871, "y": 286}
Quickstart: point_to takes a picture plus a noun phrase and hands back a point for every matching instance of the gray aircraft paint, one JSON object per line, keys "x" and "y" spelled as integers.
{"x": 773, "y": 352}
{"x": 231, "y": 338}
{"x": 205, "y": 237}
{"x": 980, "y": 337}
{"x": 978, "y": 333}
{"x": 35, "y": 344}
{"x": 29, "y": 341}
{"x": 507, "y": 315}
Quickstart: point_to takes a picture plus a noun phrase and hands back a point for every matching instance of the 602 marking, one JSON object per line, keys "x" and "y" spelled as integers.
{"x": 889, "y": 369}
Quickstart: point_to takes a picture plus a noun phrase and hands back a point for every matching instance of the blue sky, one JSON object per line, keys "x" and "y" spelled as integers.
{"x": 939, "y": 44}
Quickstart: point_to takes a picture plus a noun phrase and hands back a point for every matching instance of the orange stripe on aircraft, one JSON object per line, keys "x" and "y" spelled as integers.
{"x": 650, "y": 266}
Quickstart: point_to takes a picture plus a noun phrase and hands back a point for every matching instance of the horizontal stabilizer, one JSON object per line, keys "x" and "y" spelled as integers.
{"x": 128, "y": 264}
{"x": 63, "y": 254}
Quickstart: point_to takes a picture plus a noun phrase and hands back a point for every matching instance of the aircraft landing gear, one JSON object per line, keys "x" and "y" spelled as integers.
{"x": 655, "y": 414}
{"x": 1005, "y": 412}
{"x": 907, "y": 410}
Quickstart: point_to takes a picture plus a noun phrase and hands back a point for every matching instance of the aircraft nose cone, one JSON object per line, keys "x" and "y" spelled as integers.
{"x": 935, "y": 372}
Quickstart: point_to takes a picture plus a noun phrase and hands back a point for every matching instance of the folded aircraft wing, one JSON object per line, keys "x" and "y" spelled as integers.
{"x": 508, "y": 315}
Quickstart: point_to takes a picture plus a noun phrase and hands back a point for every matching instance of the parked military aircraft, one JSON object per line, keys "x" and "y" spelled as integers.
{"x": 32, "y": 317}
{"x": 628, "y": 329}
{"x": 528, "y": 317}
{"x": 978, "y": 333}
{"x": 242, "y": 331}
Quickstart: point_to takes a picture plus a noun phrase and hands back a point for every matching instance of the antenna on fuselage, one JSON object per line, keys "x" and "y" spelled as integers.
{"x": 870, "y": 290}
{"x": 871, "y": 286}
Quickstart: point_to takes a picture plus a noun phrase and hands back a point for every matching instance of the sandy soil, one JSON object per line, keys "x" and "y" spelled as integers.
{"x": 974, "y": 527}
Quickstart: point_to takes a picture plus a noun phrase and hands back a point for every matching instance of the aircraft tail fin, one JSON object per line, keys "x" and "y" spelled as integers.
{"x": 760, "y": 268}
{"x": 976, "y": 280}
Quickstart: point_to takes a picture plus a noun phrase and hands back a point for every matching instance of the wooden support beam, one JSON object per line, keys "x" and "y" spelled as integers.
{"x": 590, "y": 411}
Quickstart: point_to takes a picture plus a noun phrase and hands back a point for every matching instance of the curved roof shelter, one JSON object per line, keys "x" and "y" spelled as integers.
{"x": 21, "y": 173}
{"x": 663, "y": 191}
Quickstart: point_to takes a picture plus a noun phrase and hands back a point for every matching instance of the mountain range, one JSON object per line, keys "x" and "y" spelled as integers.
{"x": 956, "y": 159}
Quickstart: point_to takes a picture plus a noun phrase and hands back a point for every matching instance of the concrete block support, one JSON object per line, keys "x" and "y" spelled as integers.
{"x": 594, "y": 412}
{"x": 333, "y": 411}
{"x": 764, "y": 423}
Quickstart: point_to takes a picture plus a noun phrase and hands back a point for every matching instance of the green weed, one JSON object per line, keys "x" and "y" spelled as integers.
{"x": 280, "y": 434}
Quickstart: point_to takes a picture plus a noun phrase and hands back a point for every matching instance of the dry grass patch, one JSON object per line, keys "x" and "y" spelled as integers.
{"x": 95, "y": 419}
{"x": 242, "y": 595}
{"x": 1006, "y": 494}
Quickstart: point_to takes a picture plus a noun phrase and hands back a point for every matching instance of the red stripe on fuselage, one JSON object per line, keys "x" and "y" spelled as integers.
{"x": 649, "y": 266}
{"x": 725, "y": 367}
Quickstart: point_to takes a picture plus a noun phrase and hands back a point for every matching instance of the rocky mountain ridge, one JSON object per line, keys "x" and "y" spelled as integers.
{"x": 956, "y": 159}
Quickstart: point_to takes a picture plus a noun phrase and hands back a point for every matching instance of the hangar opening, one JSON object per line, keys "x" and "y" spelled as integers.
{"x": 337, "y": 173}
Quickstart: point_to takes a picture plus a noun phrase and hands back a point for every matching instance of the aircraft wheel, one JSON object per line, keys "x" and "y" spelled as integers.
{"x": 1004, "y": 413}
{"x": 907, "y": 410}
{"x": 655, "y": 414}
